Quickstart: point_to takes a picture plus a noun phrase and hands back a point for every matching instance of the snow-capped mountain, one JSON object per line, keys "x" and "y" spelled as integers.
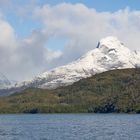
{"x": 109, "y": 54}
{"x": 4, "y": 82}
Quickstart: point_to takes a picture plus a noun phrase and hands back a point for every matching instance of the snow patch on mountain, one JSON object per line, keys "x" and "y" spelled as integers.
{"x": 109, "y": 54}
{"x": 4, "y": 82}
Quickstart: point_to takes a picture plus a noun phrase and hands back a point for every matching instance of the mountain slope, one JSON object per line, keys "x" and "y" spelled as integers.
{"x": 4, "y": 82}
{"x": 113, "y": 91}
{"x": 109, "y": 54}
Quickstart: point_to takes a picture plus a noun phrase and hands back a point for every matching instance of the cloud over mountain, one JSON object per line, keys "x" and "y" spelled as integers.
{"x": 82, "y": 27}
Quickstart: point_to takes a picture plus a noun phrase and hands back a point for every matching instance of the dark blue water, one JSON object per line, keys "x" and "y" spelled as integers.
{"x": 70, "y": 127}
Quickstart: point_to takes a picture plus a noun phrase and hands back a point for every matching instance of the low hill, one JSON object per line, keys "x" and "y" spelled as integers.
{"x": 116, "y": 91}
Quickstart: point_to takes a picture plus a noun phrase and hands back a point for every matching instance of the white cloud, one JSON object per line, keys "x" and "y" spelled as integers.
{"x": 80, "y": 25}
{"x": 84, "y": 26}
{"x": 23, "y": 58}
{"x": 7, "y": 34}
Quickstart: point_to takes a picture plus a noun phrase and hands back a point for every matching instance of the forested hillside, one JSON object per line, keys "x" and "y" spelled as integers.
{"x": 113, "y": 91}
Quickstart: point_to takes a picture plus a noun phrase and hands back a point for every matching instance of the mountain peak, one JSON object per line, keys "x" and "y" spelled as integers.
{"x": 110, "y": 54}
{"x": 4, "y": 81}
{"x": 110, "y": 42}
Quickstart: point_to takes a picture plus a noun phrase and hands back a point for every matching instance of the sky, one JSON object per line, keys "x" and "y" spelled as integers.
{"x": 38, "y": 35}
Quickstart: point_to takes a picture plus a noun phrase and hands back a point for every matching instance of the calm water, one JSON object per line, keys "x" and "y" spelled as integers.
{"x": 70, "y": 127}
